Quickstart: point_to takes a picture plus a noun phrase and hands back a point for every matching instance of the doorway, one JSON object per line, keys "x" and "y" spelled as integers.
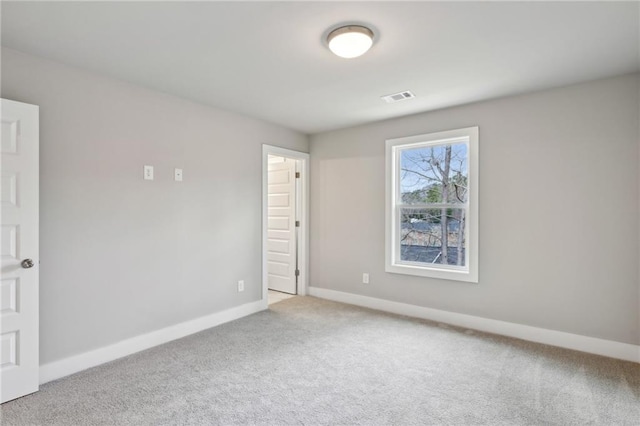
{"x": 285, "y": 223}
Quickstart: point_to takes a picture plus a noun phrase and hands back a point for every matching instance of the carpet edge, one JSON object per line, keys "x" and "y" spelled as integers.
{"x": 76, "y": 363}
{"x": 577, "y": 342}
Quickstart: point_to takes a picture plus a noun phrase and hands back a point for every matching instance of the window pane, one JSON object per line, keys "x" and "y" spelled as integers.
{"x": 434, "y": 174}
{"x": 421, "y": 232}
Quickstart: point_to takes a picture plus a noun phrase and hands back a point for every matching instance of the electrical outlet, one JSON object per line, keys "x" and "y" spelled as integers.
{"x": 240, "y": 286}
{"x": 148, "y": 173}
{"x": 365, "y": 278}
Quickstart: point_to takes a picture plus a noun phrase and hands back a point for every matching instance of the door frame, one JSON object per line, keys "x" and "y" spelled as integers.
{"x": 302, "y": 201}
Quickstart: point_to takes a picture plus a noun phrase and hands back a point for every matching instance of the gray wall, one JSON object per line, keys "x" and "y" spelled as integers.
{"x": 121, "y": 256}
{"x": 559, "y": 210}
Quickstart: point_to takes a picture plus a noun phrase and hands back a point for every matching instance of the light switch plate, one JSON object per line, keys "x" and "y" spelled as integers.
{"x": 177, "y": 174}
{"x": 148, "y": 173}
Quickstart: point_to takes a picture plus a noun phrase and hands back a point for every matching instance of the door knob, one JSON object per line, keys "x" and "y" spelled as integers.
{"x": 27, "y": 263}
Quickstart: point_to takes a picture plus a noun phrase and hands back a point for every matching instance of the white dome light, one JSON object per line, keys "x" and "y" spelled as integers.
{"x": 350, "y": 41}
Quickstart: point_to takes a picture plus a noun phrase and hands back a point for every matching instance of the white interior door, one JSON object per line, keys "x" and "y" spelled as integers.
{"x": 281, "y": 225}
{"x": 19, "y": 362}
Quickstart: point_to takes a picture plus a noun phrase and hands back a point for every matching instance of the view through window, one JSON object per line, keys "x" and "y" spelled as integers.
{"x": 433, "y": 204}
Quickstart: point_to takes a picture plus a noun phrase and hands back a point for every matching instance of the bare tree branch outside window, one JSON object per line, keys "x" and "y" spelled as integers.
{"x": 433, "y": 186}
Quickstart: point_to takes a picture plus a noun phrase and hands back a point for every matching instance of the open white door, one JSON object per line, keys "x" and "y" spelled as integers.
{"x": 281, "y": 225}
{"x": 19, "y": 362}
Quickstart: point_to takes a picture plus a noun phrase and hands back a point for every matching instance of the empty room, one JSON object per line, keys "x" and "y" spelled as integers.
{"x": 320, "y": 213}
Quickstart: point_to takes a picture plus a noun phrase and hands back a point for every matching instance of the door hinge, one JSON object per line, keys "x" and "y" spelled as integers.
{"x": 297, "y": 272}
{"x": 297, "y": 175}
{"x": 297, "y": 224}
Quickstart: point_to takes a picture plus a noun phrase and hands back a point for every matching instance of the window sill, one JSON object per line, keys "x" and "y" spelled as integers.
{"x": 440, "y": 273}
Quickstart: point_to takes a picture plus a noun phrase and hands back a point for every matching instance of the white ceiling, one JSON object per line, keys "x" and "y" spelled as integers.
{"x": 268, "y": 59}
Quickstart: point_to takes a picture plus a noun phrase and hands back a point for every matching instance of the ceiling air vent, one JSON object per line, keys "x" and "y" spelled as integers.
{"x": 401, "y": 96}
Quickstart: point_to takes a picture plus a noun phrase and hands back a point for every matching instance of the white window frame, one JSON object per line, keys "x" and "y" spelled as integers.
{"x": 469, "y": 272}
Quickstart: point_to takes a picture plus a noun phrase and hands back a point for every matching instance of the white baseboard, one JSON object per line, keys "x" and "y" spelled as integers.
{"x": 625, "y": 351}
{"x": 76, "y": 363}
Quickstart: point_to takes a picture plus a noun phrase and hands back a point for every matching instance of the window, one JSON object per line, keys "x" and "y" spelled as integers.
{"x": 432, "y": 205}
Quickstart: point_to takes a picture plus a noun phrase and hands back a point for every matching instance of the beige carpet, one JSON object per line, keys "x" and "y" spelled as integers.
{"x": 309, "y": 361}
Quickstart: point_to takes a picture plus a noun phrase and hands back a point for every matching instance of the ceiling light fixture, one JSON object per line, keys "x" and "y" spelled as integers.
{"x": 350, "y": 41}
